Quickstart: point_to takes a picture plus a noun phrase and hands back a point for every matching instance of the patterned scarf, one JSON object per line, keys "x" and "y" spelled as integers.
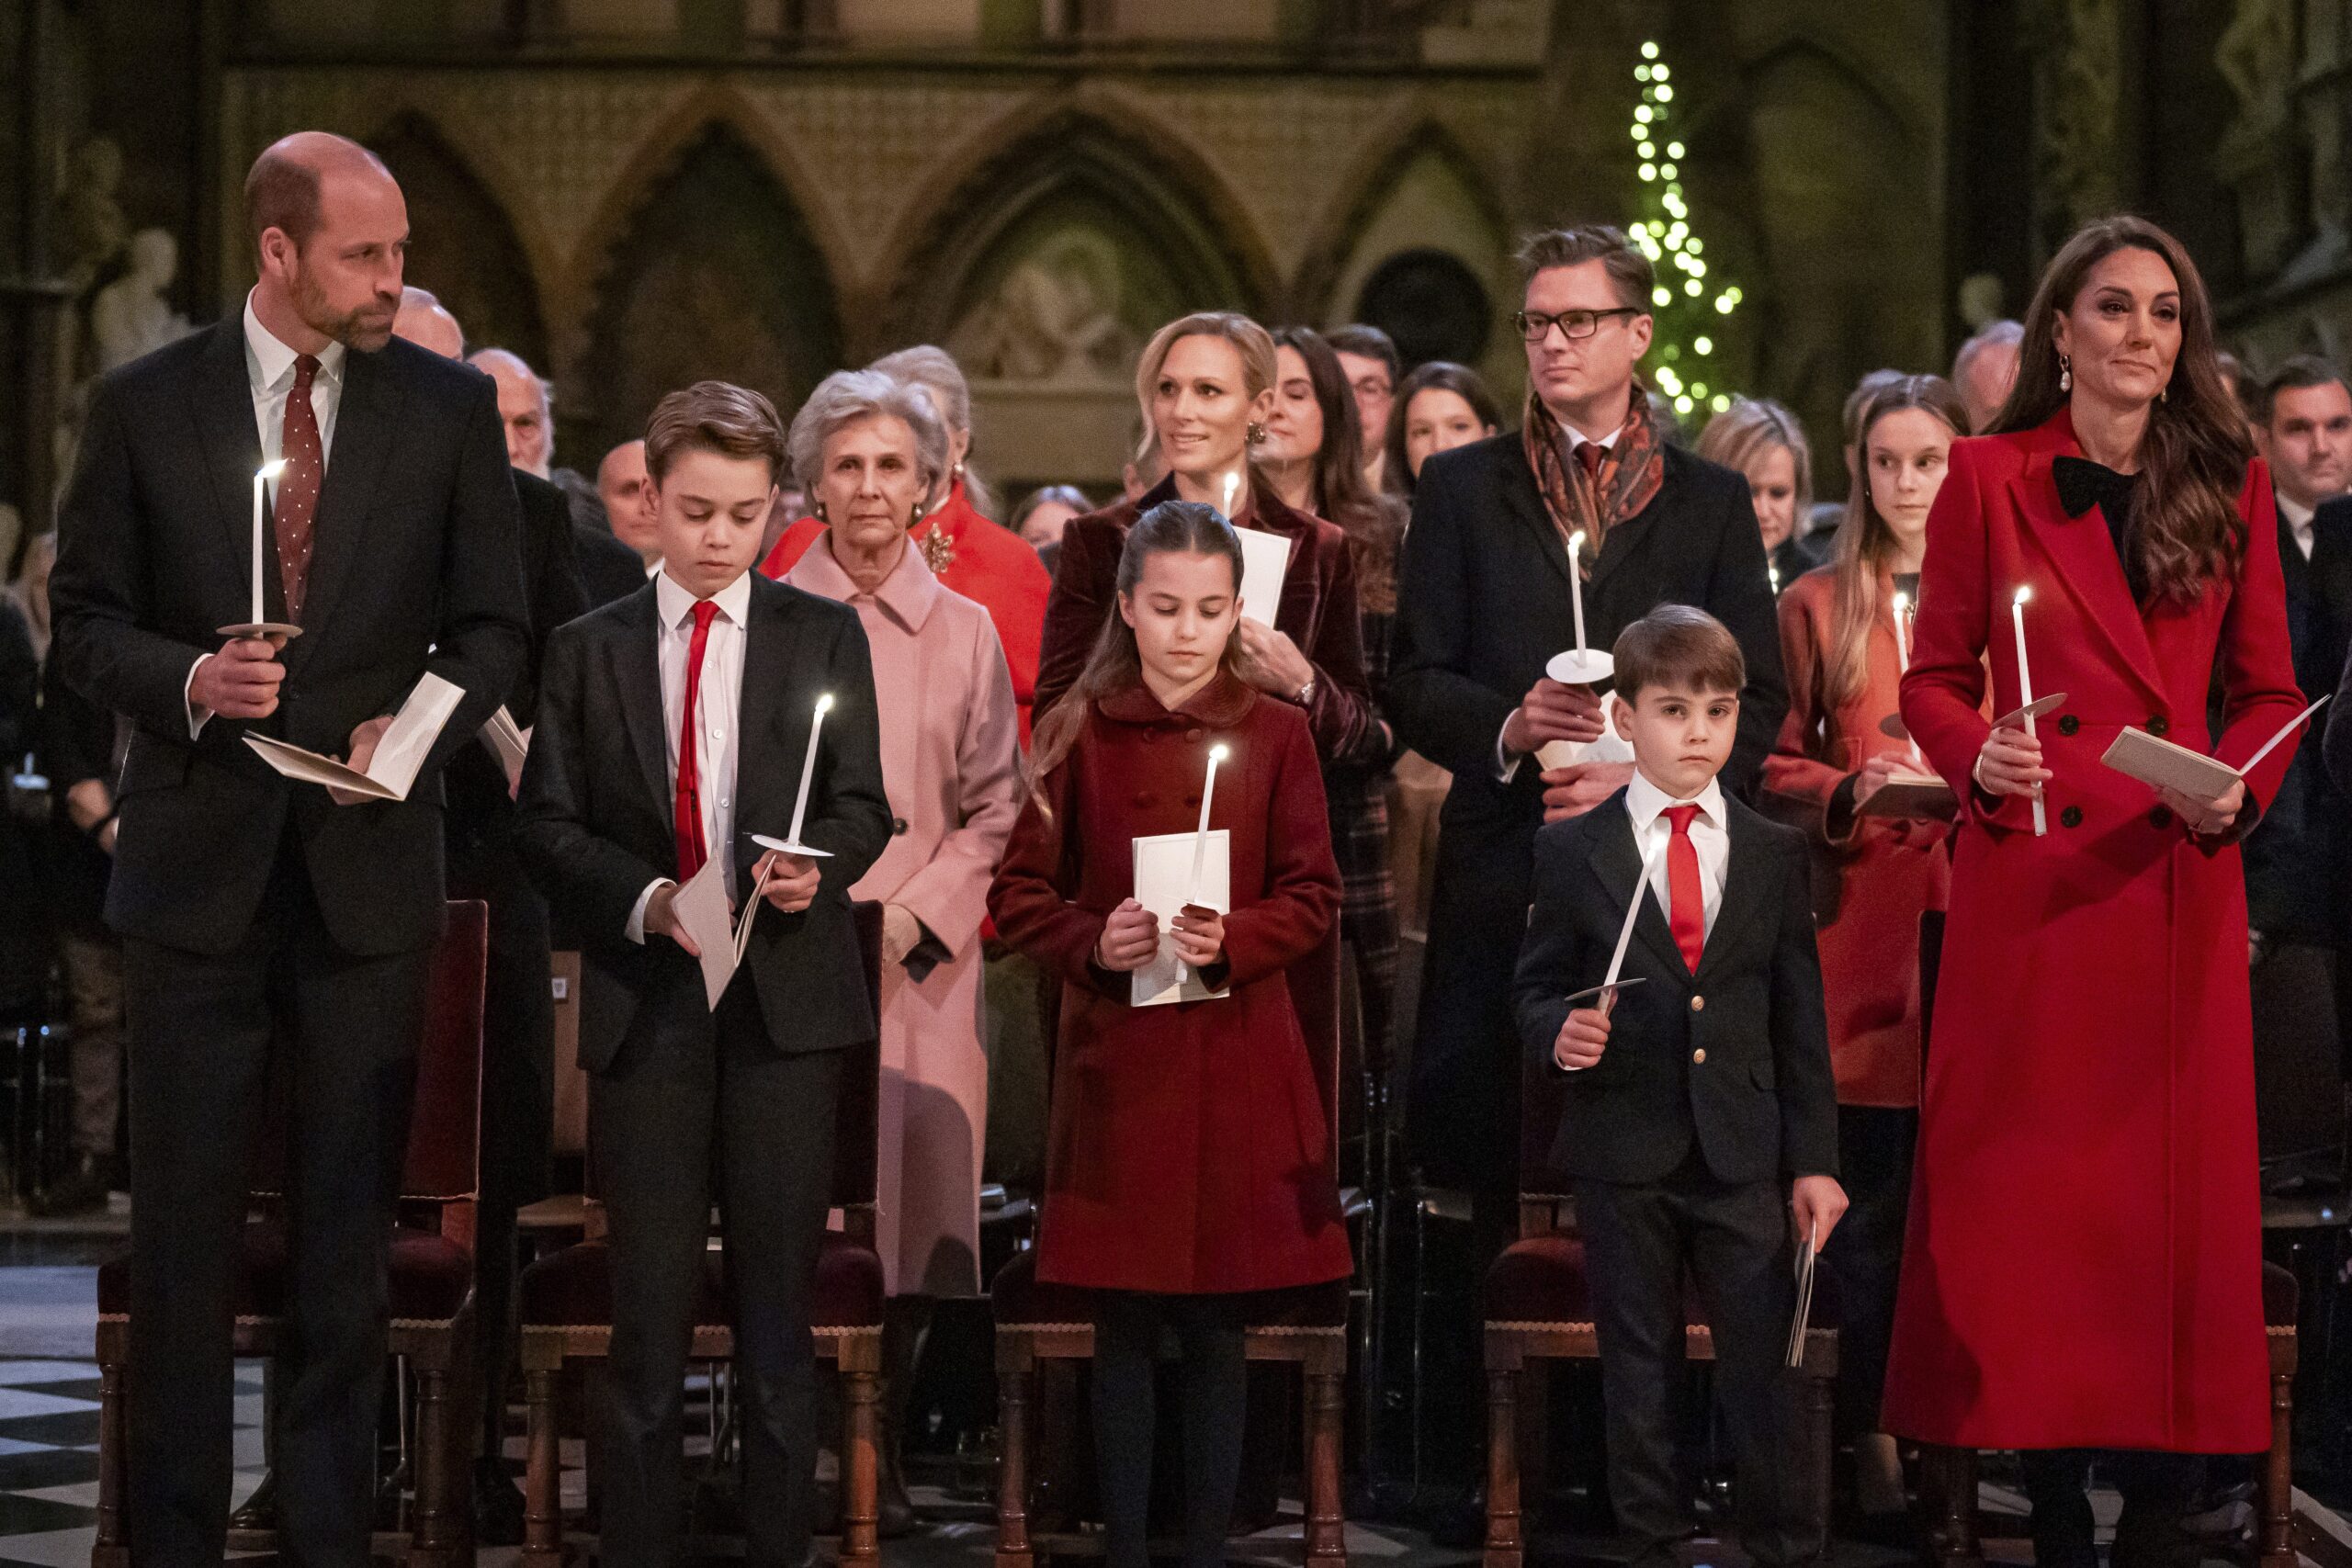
{"x": 1630, "y": 472}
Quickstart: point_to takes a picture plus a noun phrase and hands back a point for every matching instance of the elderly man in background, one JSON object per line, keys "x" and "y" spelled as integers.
{"x": 1983, "y": 371}
{"x": 628, "y": 493}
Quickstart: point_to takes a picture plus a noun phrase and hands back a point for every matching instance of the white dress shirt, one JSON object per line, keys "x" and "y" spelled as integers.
{"x": 269, "y": 375}
{"x": 1506, "y": 764}
{"x": 2299, "y": 521}
{"x": 1647, "y": 804}
{"x": 718, "y": 697}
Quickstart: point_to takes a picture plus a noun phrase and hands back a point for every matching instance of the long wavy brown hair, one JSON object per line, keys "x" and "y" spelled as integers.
{"x": 1866, "y": 546}
{"x": 1369, "y": 520}
{"x": 1172, "y": 527}
{"x": 2185, "y": 528}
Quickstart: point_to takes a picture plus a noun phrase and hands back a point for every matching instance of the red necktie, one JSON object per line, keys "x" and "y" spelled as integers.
{"x": 298, "y": 486}
{"x": 1589, "y": 454}
{"x": 1687, "y": 916}
{"x": 692, "y": 849}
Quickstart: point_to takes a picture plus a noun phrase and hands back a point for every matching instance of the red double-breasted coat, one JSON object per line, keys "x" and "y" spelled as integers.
{"x": 1872, "y": 875}
{"x": 2083, "y": 1263}
{"x": 990, "y": 565}
{"x": 1187, "y": 1147}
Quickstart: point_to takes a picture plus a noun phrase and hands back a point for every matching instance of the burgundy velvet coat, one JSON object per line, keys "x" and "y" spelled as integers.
{"x": 1188, "y": 1150}
{"x": 1318, "y": 612}
{"x": 2083, "y": 1267}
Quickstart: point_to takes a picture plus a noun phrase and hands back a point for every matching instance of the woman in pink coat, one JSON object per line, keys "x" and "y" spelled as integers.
{"x": 870, "y": 449}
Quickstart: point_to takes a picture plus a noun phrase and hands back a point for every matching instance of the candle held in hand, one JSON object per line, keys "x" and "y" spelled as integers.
{"x": 261, "y": 475}
{"x": 1576, "y": 582}
{"x": 808, "y": 766}
{"x": 2025, "y": 689}
{"x": 1201, "y": 835}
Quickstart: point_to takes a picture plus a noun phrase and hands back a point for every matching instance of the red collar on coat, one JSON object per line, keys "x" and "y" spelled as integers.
{"x": 1222, "y": 703}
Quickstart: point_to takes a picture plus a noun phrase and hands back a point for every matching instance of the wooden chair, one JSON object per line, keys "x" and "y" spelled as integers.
{"x": 1037, "y": 1322}
{"x": 567, "y": 1313}
{"x": 1948, "y": 1476}
{"x": 431, "y": 1275}
{"x": 1538, "y": 1308}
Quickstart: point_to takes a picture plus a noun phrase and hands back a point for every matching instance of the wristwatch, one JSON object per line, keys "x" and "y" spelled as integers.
{"x": 1305, "y": 694}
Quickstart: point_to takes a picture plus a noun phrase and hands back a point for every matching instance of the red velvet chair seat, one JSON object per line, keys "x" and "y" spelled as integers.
{"x": 1019, "y": 1298}
{"x": 574, "y": 1288}
{"x": 430, "y": 1278}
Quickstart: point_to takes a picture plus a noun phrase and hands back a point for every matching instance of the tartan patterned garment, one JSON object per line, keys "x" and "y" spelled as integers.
{"x": 1358, "y": 797}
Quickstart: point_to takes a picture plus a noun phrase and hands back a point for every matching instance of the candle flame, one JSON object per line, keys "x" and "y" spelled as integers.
{"x": 1218, "y": 753}
{"x": 270, "y": 470}
{"x": 1902, "y": 602}
{"x": 1576, "y": 540}
{"x": 825, "y": 703}
{"x": 2024, "y": 593}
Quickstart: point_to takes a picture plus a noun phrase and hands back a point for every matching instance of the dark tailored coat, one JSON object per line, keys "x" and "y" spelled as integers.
{"x": 2083, "y": 1263}
{"x": 1188, "y": 1149}
{"x": 1317, "y": 611}
{"x": 1733, "y": 1059}
{"x": 608, "y": 569}
{"x": 414, "y": 568}
{"x": 1484, "y": 604}
{"x": 2299, "y": 861}
{"x": 595, "y": 816}
{"x": 1872, "y": 875}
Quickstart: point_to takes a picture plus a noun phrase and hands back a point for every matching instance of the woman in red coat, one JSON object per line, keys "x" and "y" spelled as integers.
{"x": 2082, "y": 1270}
{"x": 1188, "y": 1159}
{"x": 1845, "y": 631}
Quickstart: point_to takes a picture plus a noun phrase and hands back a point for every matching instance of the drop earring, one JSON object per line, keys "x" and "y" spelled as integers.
{"x": 2065, "y": 374}
{"x": 1254, "y": 433}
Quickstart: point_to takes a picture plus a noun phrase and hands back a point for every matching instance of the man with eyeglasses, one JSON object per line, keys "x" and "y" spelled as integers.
{"x": 1368, "y": 358}
{"x": 1484, "y": 605}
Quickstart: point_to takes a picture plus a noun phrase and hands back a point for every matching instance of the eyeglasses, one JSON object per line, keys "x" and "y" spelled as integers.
{"x": 1534, "y": 326}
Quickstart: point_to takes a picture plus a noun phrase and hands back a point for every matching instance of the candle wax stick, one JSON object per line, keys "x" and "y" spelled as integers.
{"x": 1575, "y": 582}
{"x": 808, "y": 768}
{"x": 1903, "y": 656}
{"x": 2024, "y": 686}
{"x": 1633, "y": 913}
{"x": 261, "y": 475}
{"x": 1201, "y": 835}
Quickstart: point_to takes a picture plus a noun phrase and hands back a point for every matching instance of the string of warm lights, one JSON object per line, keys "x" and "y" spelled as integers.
{"x": 1684, "y": 299}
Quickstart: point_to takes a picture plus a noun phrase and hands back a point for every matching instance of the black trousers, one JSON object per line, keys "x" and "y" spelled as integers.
{"x": 1212, "y": 1354}
{"x": 2156, "y": 1489}
{"x": 203, "y": 1032}
{"x": 1734, "y": 1240}
{"x": 1865, "y": 1253}
{"x": 685, "y": 1106}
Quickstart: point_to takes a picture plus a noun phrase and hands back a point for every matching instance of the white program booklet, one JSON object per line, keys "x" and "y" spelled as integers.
{"x": 700, "y": 904}
{"x": 2154, "y": 761}
{"x": 508, "y": 741}
{"x": 398, "y": 756}
{"x": 1265, "y": 561}
{"x": 1163, "y": 871}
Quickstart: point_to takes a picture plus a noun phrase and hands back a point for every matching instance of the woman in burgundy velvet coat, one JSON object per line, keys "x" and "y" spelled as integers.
{"x": 2083, "y": 1266}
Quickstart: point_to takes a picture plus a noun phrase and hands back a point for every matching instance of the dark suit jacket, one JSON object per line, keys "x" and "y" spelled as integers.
{"x": 2299, "y": 857}
{"x": 1735, "y": 1058}
{"x": 595, "y": 821}
{"x": 1483, "y": 605}
{"x": 608, "y": 569}
{"x": 414, "y": 569}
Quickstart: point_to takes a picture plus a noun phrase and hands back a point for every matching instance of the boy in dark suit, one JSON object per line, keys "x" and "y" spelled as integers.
{"x": 1704, "y": 1120}
{"x": 670, "y": 727}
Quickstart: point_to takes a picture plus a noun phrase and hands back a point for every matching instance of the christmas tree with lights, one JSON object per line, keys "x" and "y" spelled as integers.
{"x": 1690, "y": 302}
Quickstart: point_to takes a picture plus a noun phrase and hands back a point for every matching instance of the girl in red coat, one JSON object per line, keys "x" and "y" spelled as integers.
{"x": 1844, "y": 631}
{"x": 1188, "y": 1160}
{"x": 2082, "y": 1270}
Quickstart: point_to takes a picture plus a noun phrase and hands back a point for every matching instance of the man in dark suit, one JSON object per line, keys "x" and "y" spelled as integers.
{"x": 1485, "y": 602}
{"x": 2299, "y": 858}
{"x": 671, "y": 729}
{"x": 261, "y": 917}
{"x": 1700, "y": 1115}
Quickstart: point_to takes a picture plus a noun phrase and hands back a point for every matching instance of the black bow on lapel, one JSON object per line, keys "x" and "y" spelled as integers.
{"x": 2083, "y": 484}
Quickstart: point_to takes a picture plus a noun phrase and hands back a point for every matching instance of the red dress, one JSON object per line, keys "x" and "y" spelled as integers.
{"x": 1187, "y": 1150}
{"x": 993, "y": 566}
{"x": 2083, "y": 1264}
{"x": 1872, "y": 875}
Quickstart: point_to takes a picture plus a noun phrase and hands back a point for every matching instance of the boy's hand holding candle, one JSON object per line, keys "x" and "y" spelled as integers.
{"x": 791, "y": 881}
{"x": 1583, "y": 1037}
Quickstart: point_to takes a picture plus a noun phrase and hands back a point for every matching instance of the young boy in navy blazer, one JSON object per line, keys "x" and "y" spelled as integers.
{"x": 671, "y": 726}
{"x": 1701, "y": 1119}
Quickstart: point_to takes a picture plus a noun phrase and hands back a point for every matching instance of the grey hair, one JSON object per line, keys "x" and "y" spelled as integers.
{"x": 546, "y": 386}
{"x": 936, "y": 370}
{"x": 1992, "y": 333}
{"x": 847, "y": 396}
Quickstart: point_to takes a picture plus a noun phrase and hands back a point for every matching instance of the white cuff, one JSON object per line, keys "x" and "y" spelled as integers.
{"x": 635, "y": 930}
{"x": 197, "y": 716}
{"x": 1506, "y": 765}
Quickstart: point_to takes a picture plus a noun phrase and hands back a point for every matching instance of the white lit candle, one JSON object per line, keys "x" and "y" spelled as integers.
{"x": 1633, "y": 913}
{"x": 261, "y": 475}
{"x": 1903, "y": 648}
{"x": 808, "y": 767}
{"x": 1575, "y": 582}
{"x": 1232, "y": 492}
{"x": 2025, "y": 700}
{"x": 1201, "y": 835}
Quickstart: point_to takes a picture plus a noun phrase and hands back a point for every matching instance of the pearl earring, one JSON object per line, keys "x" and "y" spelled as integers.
{"x": 2065, "y": 374}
